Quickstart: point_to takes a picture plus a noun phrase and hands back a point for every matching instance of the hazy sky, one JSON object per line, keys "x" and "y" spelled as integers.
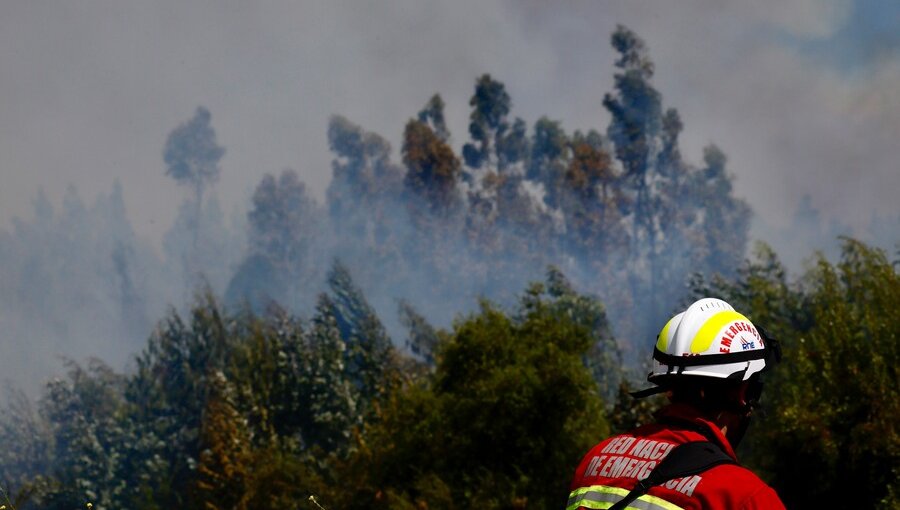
{"x": 803, "y": 96}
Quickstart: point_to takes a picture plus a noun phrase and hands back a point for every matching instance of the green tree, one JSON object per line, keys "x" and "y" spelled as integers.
{"x": 197, "y": 240}
{"x": 831, "y": 420}
{"x": 636, "y": 110}
{"x": 433, "y": 115}
{"x": 283, "y": 222}
{"x": 505, "y": 226}
{"x": 369, "y": 350}
{"x": 165, "y": 401}
{"x": 432, "y": 169}
{"x": 225, "y": 462}
{"x": 433, "y": 207}
{"x": 603, "y": 359}
{"x": 726, "y": 218}
{"x": 591, "y": 201}
{"x": 285, "y": 234}
{"x": 269, "y": 370}
{"x": 636, "y": 119}
{"x": 548, "y": 159}
{"x": 487, "y": 122}
{"x": 28, "y": 440}
{"x": 192, "y": 155}
{"x": 331, "y": 400}
{"x": 365, "y": 203}
{"x": 507, "y": 413}
{"x": 681, "y": 219}
{"x": 364, "y": 181}
{"x": 422, "y": 336}
{"x": 81, "y": 440}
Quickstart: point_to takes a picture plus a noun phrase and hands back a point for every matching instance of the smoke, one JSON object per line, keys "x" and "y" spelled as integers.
{"x": 75, "y": 285}
{"x": 810, "y": 234}
{"x": 752, "y": 77}
{"x": 79, "y": 283}
{"x": 624, "y": 215}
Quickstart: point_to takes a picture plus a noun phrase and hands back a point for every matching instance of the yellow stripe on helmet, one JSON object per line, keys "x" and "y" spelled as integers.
{"x": 707, "y": 333}
{"x": 662, "y": 343}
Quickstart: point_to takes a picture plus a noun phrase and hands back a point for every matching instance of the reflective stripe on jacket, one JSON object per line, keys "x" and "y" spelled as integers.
{"x": 603, "y": 496}
{"x": 612, "y": 468}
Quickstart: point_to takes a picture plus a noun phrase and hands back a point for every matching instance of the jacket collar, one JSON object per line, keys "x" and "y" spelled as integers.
{"x": 693, "y": 419}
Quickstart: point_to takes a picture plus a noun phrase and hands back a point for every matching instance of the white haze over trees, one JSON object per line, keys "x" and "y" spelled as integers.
{"x": 424, "y": 227}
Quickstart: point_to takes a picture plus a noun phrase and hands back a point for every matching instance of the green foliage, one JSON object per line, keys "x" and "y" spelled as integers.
{"x": 256, "y": 408}
{"x": 592, "y": 200}
{"x": 191, "y": 153}
{"x": 559, "y": 297}
{"x": 364, "y": 171}
{"x": 285, "y": 231}
{"x": 432, "y": 168}
{"x": 364, "y": 182}
{"x": 636, "y": 107}
{"x": 211, "y": 399}
{"x": 726, "y": 219}
{"x": 166, "y": 399}
{"x": 508, "y": 410}
{"x": 433, "y": 115}
{"x": 547, "y": 161}
{"x": 487, "y": 122}
{"x": 365, "y": 206}
{"x": 332, "y": 397}
{"x": 224, "y": 461}
{"x": 674, "y": 218}
{"x": 831, "y": 420}
{"x": 423, "y": 337}
{"x": 368, "y": 345}
{"x": 85, "y": 439}
{"x": 255, "y": 412}
{"x": 622, "y": 211}
{"x": 27, "y": 445}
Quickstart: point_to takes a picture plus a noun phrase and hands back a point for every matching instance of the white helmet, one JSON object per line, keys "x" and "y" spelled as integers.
{"x": 710, "y": 339}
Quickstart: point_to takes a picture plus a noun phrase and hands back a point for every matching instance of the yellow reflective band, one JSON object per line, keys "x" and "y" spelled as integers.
{"x": 599, "y": 497}
{"x": 663, "y": 342}
{"x": 704, "y": 338}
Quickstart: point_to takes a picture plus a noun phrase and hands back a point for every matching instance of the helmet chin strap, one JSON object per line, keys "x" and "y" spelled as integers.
{"x": 735, "y": 429}
{"x": 736, "y": 420}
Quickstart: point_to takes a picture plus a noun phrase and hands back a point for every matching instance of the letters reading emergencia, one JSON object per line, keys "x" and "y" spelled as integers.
{"x": 629, "y": 457}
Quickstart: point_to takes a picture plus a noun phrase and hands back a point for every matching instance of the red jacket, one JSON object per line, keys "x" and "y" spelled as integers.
{"x": 612, "y": 468}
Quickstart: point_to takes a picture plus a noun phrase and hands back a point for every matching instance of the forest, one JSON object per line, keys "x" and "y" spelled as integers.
{"x": 453, "y": 328}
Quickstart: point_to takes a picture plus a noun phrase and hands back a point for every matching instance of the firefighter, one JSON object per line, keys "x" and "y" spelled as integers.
{"x": 708, "y": 360}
